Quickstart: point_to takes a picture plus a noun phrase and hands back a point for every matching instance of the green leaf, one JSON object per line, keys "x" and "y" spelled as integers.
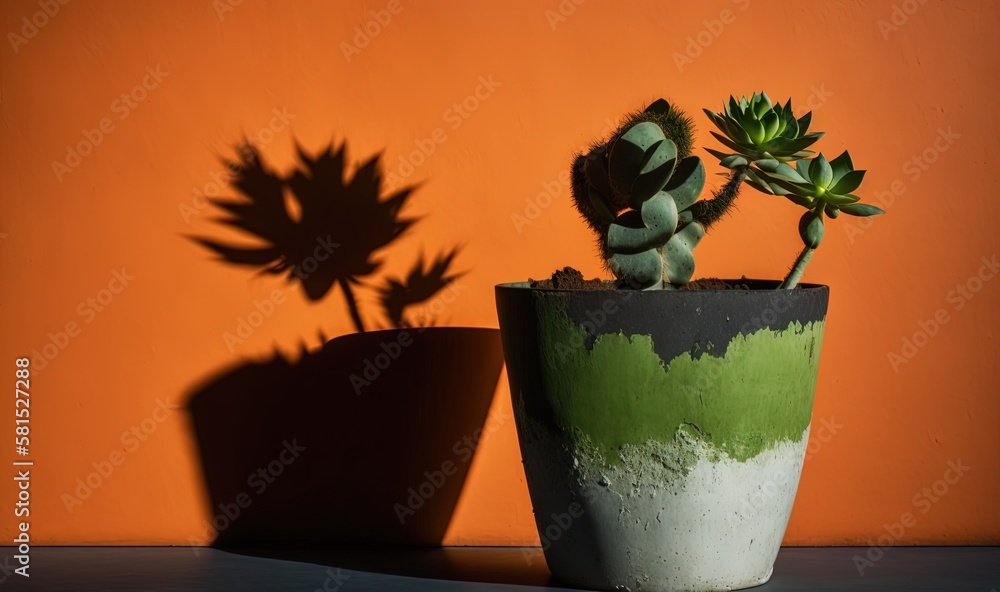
{"x": 718, "y": 120}
{"x": 767, "y": 164}
{"x": 803, "y": 121}
{"x": 687, "y": 182}
{"x": 799, "y": 200}
{"x": 753, "y": 127}
{"x": 643, "y": 135}
{"x": 678, "y": 255}
{"x": 733, "y": 161}
{"x": 761, "y": 107}
{"x": 840, "y": 200}
{"x": 811, "y": 228}
{"x": 633, "y": 231}
{"x": 789, "y": 145}
{"x": 718, "y": 153}
{"x": 770, "y": 122}
{"x": 757, "y": 181}
{"x": 645, "y": 268}
{"x": 842, "y": 165}
{"x": 735, "y": 131}
{"x": 848, "y": 183}
{"x": 729, "y": 143}
{"x": 820, "y": 172}
{"x": 790, "y": 173}
{"x": 629, "y": 153}
{"x": 661, "y": 159}
{"x": 860, "y": 209}
{"x": 659, "y": 214}
{"x": 802, "y": 167}
{"x": 767, "y": 99}
{"x": 760, "y": 187}
{"x": 802, "y": 189}
{"x": 599, "y": 202}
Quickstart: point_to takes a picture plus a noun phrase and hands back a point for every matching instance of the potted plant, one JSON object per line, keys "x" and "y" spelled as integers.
{"x": 663, "y": 423}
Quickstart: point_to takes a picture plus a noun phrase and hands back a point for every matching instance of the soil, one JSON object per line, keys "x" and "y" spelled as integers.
{"x": 569, "y": 278}
{"x": 717, "y": 284}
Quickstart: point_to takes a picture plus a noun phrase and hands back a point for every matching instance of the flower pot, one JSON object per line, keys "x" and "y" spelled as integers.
{"x": 663, "y": 432}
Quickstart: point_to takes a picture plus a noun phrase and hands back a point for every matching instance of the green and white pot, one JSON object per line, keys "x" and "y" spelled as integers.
{"x": 662, "y": 432}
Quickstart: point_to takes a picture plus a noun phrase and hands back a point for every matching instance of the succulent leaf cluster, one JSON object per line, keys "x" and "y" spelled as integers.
{"x": 636, "y": 191}
{"x": 756, "y": 129}
{"x": 767, "y": 141}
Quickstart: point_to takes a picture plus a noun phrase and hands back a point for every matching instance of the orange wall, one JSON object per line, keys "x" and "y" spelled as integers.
{"x": 884, "y": 90}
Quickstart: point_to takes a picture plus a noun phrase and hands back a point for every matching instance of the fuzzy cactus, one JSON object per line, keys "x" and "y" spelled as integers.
{"x": 638, "y": 191}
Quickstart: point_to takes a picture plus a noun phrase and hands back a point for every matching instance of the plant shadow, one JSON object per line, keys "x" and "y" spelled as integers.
{"x": 369, "y": 438}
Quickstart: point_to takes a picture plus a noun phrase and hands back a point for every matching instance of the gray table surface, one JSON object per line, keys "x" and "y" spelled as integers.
{"x": 456, "y": 569}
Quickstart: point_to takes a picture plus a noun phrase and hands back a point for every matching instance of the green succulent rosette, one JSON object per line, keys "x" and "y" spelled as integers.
{"x": 755, "y": 129}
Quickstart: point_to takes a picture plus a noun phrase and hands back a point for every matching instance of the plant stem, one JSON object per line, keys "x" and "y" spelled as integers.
{"x": 710, "y": 211}
{"x": 793, "y": 277}
{"x": 352, "y": 305}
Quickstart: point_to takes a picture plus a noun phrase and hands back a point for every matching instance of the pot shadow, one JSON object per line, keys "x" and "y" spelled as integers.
{"x": 368, "y": 439}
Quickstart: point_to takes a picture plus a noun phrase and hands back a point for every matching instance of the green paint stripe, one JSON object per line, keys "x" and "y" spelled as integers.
{"x": 620, "y": 393}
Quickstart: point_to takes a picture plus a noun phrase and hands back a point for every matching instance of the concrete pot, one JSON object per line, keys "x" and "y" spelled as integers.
{"x": 662, "y": 432}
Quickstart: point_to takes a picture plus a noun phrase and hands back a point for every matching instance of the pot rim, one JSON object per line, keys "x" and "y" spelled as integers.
{"x": 524, "y": 285}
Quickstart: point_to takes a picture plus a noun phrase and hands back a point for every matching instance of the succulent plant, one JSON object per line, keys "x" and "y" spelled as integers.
{"x": 756, "y": 129}
{"x": 766, "y": 139}
{"x": 637, "y": 192}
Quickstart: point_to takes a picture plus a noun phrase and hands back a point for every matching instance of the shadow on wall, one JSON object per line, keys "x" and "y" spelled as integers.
{"x": 368, "y": 439}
